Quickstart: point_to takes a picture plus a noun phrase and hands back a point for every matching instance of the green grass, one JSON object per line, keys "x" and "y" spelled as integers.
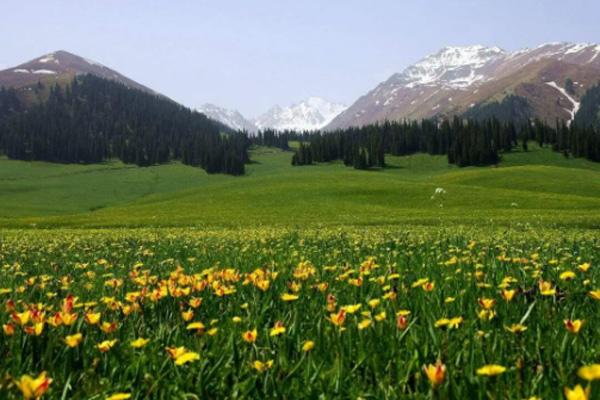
{"x": 537, "y": 187}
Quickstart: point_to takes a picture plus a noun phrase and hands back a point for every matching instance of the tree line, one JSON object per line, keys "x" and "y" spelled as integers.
{"x": 465, "y": 142}
{"x": 92, "y": 119}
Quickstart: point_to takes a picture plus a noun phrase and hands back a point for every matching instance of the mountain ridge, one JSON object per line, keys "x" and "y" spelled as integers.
{"x": 310, "y": 114}
{"x": 458, "y": 78}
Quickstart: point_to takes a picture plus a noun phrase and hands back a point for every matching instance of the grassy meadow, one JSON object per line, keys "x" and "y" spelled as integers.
{"x": 538, "y": 187}
{"x": 320, "y": 282}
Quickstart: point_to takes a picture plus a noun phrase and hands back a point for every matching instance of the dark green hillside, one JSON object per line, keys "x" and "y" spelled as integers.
{"x": 92, "y": 120}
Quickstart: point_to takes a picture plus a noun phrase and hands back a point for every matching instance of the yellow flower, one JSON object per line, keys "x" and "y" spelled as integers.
{"x": 187, "y": 315}
{"x": 74, "y": 340}
{"x": 351, "y": 309}
{"x": 584, "y": 267}
{"x": 546, "y": 288}
{"x": 381, "y": 316}
{"x": 106, "y": 345}
{"x": 33, "y": 388}
{"x": 236, "y": 320}
{"x": 435, "y": 373}
{"x": 186, "y": 357}
{"x": 516, "y": 328}
{"x": 450, "y": 323}
{"x": 567, "y": 276}
{"x": 419, "y": 282}
{"x": 139, "y": 343}
{"x": 589, "y": 372}
{"x": 486, "y": 315}
{"x": 250, "y": 336}
{"x": 573, "y": 326}
{"x": 196, "y": 326}
{"x": 108, "y": 327}
{"x": 175, "y": 352}
{"x": 449, "y": 300}
{"x": 92, "y": 318}
{"x": 339, "y": 318}
{"x": 278, "y": 329}
{"x": 577, "y": 393}
{"x": 491, "y": 370}
{"x": 487, "y": 304}
{"x": 308, "y": 346}
{"x": 212, "y": 331}
{"x": 9, "y": 329}
{"x": 119, "y": 396}
{"x": 364, "y": 324}
{"x": 594, "y": 294}
{"x": 262, "y": 366}
{"x": 374, "y": 303}
{"x": 508, "y": 294}
{"x": 289, "y": 297}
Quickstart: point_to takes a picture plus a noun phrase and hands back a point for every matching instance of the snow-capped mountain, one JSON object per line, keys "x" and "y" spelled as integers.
{"x": 458, "y": 79}
{"x": 311, "y": 114}
{"x": 454, "y": 67}
{"x": 231, "y": 118}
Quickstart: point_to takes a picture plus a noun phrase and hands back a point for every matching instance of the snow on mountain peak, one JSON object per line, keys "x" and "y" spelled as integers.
{"x": 311, "y": 114}
{"x": 231, "y": 118}
{"x": 452, "y": 66}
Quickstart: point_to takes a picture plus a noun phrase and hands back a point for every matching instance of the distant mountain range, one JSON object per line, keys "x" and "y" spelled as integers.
{"x": 546, "y": 82}
{"x": 461, "y": 80}
{"x": 311, "y": 114}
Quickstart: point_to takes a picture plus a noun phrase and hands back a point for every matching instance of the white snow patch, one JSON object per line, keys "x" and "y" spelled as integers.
{"x": 21, "y": 71}
{"x": 576, "y": 104}
{"x": 48, "y": 58}
{"x": 44, "y": 72}
{"x": 577, "y": 47}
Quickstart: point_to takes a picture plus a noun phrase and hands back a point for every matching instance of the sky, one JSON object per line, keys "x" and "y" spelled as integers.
{"x": 250, "y": 55}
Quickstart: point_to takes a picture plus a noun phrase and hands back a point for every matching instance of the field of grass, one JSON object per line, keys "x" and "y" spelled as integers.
{"x": 538, "y": 187}
{"x": 363, "y": 313}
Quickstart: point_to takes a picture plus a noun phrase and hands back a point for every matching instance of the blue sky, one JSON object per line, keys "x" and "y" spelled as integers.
{"x": 253, "y": 54}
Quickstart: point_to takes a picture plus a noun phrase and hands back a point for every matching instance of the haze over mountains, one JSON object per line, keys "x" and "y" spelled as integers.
{"x": 458, "y": 79}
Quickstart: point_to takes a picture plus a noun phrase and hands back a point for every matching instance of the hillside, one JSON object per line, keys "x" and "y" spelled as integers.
{"x": 58, "y": 67}
{"x": 537, "y": 187}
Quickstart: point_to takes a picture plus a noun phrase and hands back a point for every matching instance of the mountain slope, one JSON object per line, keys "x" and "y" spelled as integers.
{"x": 231, "y": 118}
{"x": 456, "y": 79}
{"x": 61, "y": 66}
{"x": 311, "y": 114}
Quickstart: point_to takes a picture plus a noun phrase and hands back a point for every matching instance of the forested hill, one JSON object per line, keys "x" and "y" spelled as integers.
{"x": 93, "y": 119}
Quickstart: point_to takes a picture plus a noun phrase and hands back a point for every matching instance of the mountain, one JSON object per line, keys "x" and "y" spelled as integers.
{"x": 230, "y": 118}
{"x": 311, "y": 114}
{"x": 458, "y": 80}
{"x": 61, "y": 66}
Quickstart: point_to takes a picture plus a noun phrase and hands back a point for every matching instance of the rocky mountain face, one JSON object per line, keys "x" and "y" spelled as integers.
{"x": 458, "y": 79}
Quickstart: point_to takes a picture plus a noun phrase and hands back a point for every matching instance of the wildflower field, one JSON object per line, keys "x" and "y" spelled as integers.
{"x": 276, "y": 313}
